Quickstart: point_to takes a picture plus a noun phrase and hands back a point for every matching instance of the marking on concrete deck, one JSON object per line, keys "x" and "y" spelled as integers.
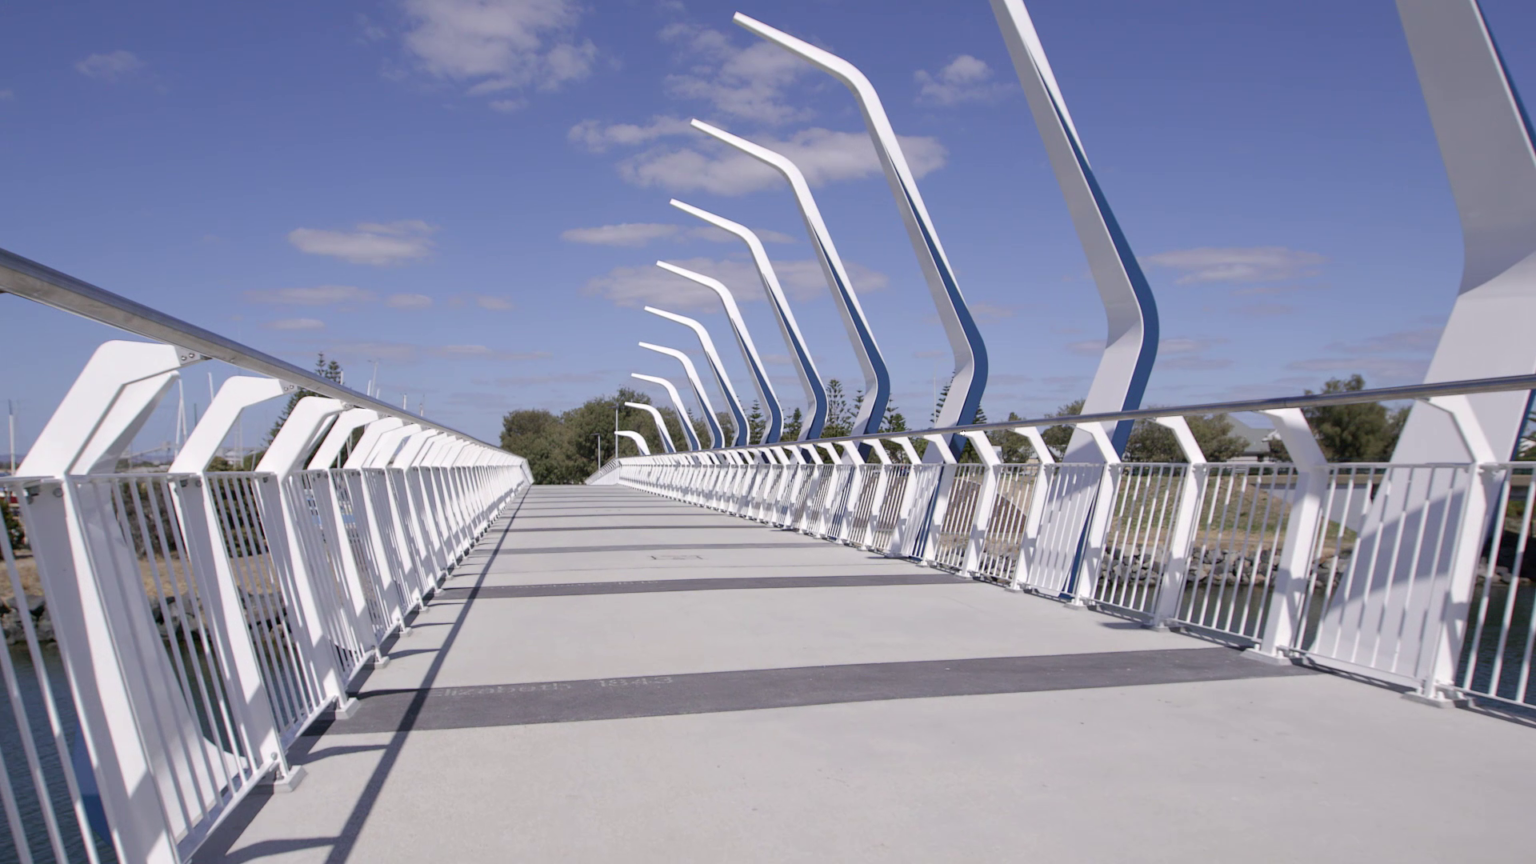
{"x": 713, "y": 692}
{"x": 648, "y": 547}
{"x": 657, "y": 586}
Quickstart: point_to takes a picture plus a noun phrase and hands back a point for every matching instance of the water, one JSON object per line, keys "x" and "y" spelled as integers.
{"x": 12, "y": 746}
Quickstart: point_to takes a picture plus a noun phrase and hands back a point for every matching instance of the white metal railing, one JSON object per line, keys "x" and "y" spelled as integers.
{"x": 204, "y": 619}
{"x": 1411, "y": 574}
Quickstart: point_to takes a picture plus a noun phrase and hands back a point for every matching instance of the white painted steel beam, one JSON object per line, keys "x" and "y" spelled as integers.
{"x": 805, "y": 364}
{"x": 661, "y": 423}
{"x": 877, "y": 379}
{"x": 965, "y": 341}
{"x": 1130, "y": 347}
{"x": 773, "y": 427}
{"x": 1486, "y": 144}
{"x": 683, "y": 419}
{"x": 722, "y": 377}
{"x": 716, "y": 433}
{"x": 637, "y": 438}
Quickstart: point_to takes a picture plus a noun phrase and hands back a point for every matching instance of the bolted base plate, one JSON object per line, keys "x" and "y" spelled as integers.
{"x": 290, "y": 781}
{"x": 1271, "y": 659}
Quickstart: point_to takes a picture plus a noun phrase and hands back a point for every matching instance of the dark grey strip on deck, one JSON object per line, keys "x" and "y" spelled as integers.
{"x": 713, "y": 692}
{"x": 738, "y": 526}
{"x": 650, "y": 547}
{"x": 658, "y": 586}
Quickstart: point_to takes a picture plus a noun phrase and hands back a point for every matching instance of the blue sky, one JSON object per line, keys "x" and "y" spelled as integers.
{"x": 474, "y": 193}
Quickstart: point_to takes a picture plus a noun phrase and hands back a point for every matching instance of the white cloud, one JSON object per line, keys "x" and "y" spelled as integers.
{"x": 494, "y": 304}
{"x": 408, "y": 301}
{"x": 1390, "y": 358}
{"x": 1422, "y": 341}
{"x": 296, "y": 324}
{"x": 112, "y": 66}
{"x": 1189, "y": 353}
{"x": 1174, "y": 352}
{"x": 965, "y": 79}
{"x": 1251, "y": 264}
{"x": 823, "y": 155}
{"x": 802, "y": 280}
{"x": 637, "y": 234}
{"x": 1378, "y": 371}
{"x": 371, "y": 243}
{"x": 985, "y": 311}
{"x": 489, "y": 302}
{"x": 7, "y": 95}
{"x": 507, "y": 106}
{"x": 742, "y": 82}
{"x": 320, "y": 295}
{"x": 597, "y": 137}
{"x": 499, "y": 45}
{"x": 410, "y": 352}
{"x": 720, "y": 235}
{"x": 632, "y": 234}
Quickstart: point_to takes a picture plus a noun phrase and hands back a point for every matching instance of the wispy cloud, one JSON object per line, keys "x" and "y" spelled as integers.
{"x": 412, "y": 352}
{"x": 963, "y": 79}
{"x": 110, "y": 67}
{"x": 495, "y": 46}
{"x": 1182, "y": 352}
{"x": 1234, "y": 264}
{"x": 631, "y": 234}
{"x": 488, "y": 302}
{"x": 320, "y": 295}
{"x": 1401, "y": 357}
{"x": 379, "y": 244}
{"x": 296, "y": 324}
{"x": 598, "y": 137}
{"x": 408, "y": 301}
{"x": 748, "y": 83}
{"x": 650, "y": 285}
{"x": 637, "y": 234}
{"x": 7, "y": 95}
{"x": 824, "y": 156}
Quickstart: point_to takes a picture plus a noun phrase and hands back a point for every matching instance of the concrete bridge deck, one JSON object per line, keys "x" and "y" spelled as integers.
{"x": 612, "y": 676}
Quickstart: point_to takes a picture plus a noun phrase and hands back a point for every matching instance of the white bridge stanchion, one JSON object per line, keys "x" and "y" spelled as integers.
{"x": 205, "y": 618}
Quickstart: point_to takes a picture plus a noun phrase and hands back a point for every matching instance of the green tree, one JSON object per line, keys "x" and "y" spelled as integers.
{"x": 1363, "y": 432}
{"x": 839, "y": 414}
{"x": 329, "y": 370}
{"x": 12, "y": 521}
{"x": 1016, "y": 448}
{"x": 757, "y": 424}
{"x": 1150, "y": 442}
{"x": 793, "y": 424}
{"x": 1058, "y": 437}
{"x": 563, "y": 448}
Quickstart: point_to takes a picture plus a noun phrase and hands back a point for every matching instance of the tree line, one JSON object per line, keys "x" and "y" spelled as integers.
{"x": 564, "y": 447}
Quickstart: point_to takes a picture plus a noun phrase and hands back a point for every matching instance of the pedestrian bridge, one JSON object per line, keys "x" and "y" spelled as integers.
{"x": 381, "y": 642}
{"x": 612, "y": 675}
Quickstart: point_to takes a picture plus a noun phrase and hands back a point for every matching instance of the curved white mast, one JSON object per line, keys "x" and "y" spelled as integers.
{"x": 721, "y": 376}
{"x": 877, "y": 380}
{"x": 716, "y": 434}
{"x": 765, "y": 393}
{"x": 677, "y": 402}
{"x": 810, "y": 379}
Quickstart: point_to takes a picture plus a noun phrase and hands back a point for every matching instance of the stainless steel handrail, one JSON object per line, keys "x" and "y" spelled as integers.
{"x": 34, "y": 281}
{"x": 1313, "y": 400}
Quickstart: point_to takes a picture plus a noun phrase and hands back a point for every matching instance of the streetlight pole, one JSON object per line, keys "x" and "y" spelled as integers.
{"x": 599, "y": 437}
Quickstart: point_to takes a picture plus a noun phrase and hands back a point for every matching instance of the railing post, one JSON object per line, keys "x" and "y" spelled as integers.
{"x": 987, "y": 496}
{"x": 1103, "y": 512}
{"x": 1037, "y": 497}
{"x": 1283, "y": 619}
{"x": 1449, "y": 609}
{"x": 302, "y": 429}
{"x": 1170, "y": 586}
